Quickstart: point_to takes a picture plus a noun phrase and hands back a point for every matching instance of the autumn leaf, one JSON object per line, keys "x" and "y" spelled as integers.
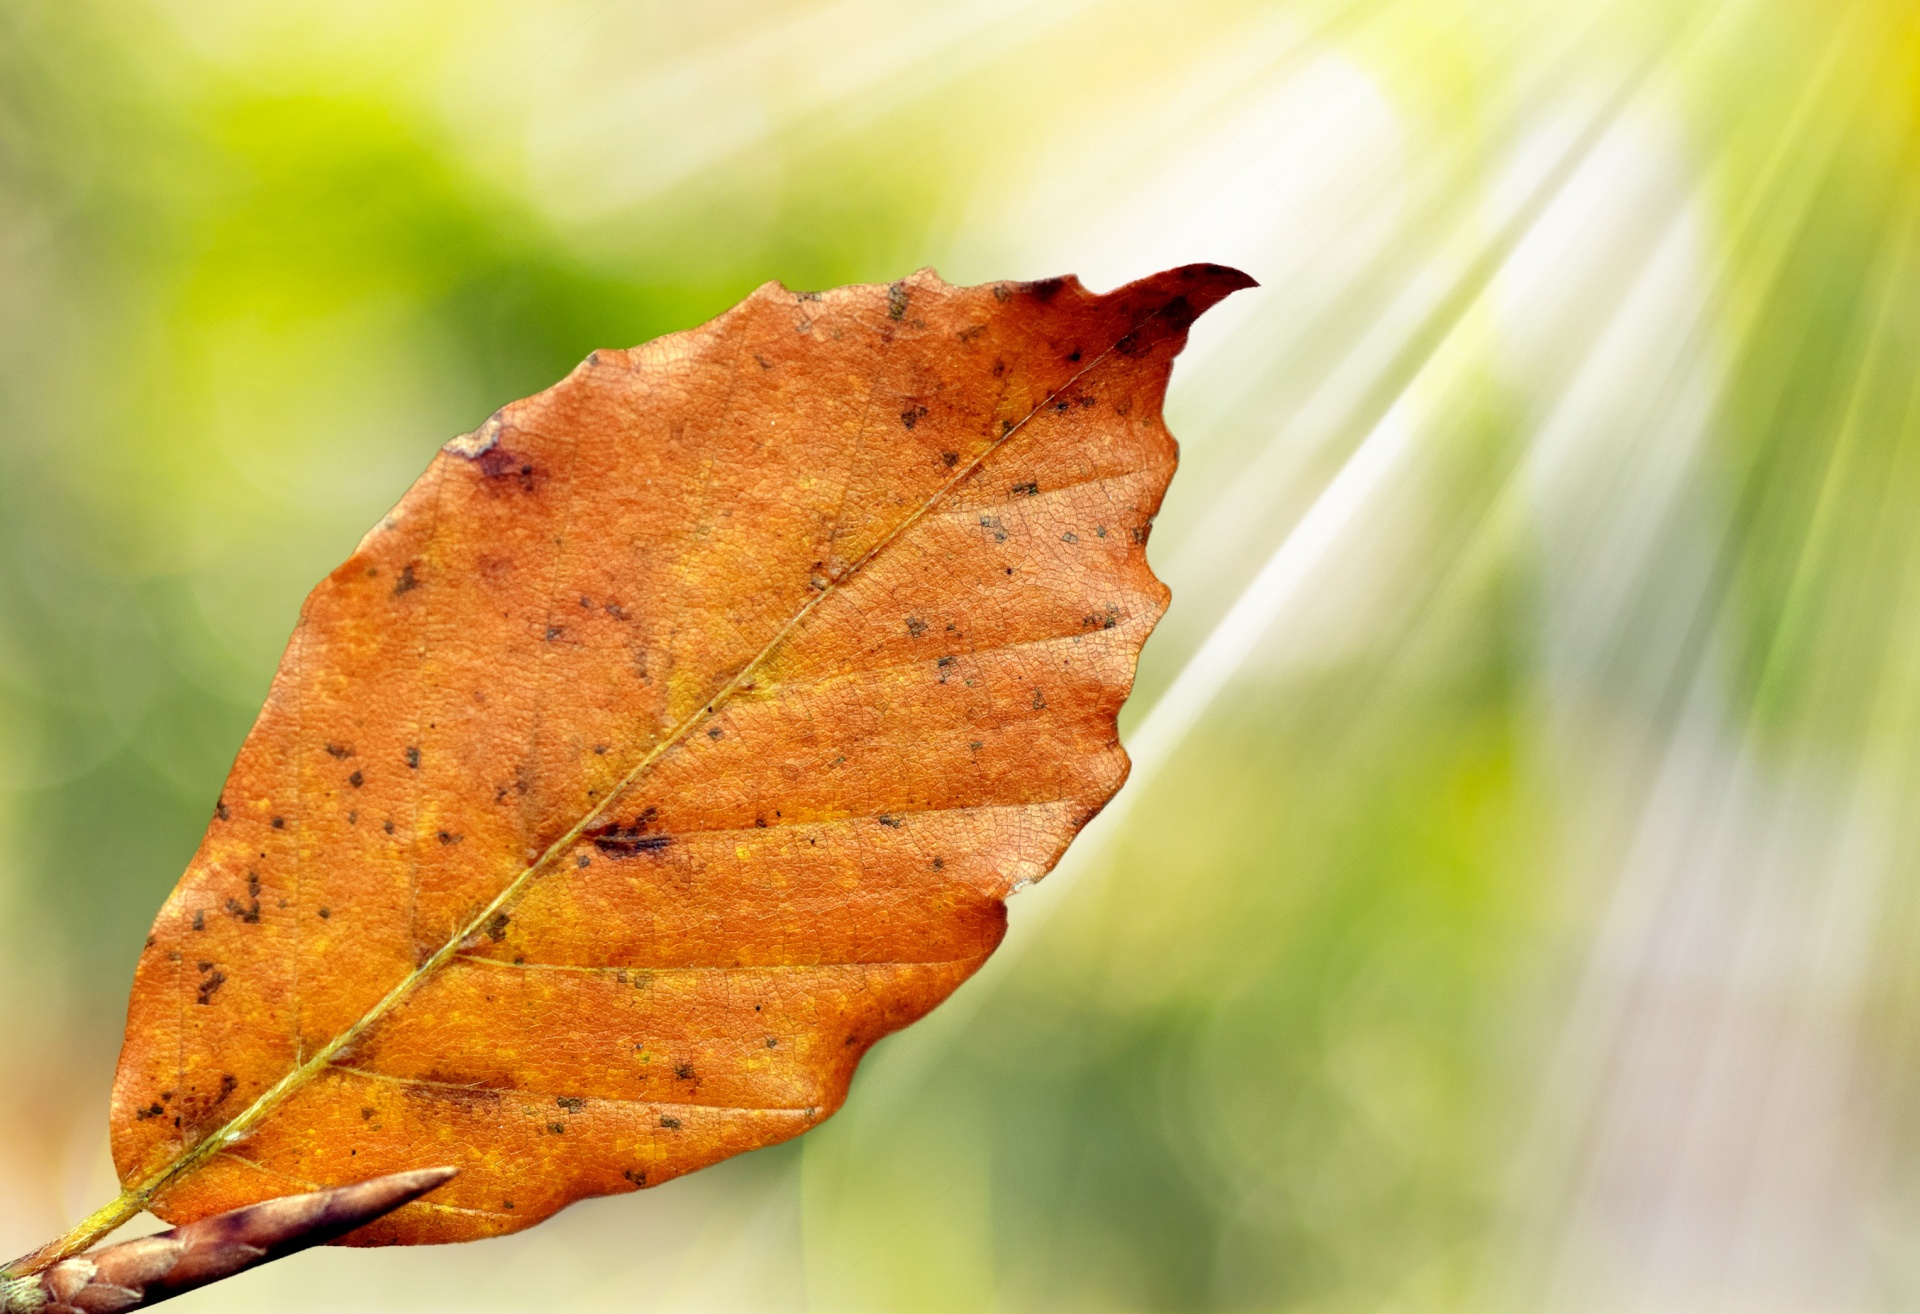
{"x": 681, "y": 733}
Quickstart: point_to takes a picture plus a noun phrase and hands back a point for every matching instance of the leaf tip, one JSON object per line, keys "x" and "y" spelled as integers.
{"x": 1205, "y": 285}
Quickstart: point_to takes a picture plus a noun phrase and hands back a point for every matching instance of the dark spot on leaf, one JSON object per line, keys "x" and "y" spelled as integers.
{"x": 670, "y": 1123}
{"x": 713, "y": 732}
{"x": 571, "y": 1103}
{"x": 637, "y": 1177}
{"x": 1179, "y": 314}
{"x": 199, "y": 919}
{"x": 497, "y": 927}
{"x": 220, "y": 809}
{"x": 1074, "y": 354}
{"x": 1039, "y": 700}
{"x": 210, "y": 985}
{"x": 951, "y": 458}
{"x": 356, "y": 780}
{"x": 772, "y": 1043}
{"x": 325, "y": 914}
{"x": 251, "y": 912}
{"x": 448, "y": 838}
{"x": 1028, "y": 489}
{"x": 1157, "y": 326}
{"x": 279, "y": 823}
{"x": 939, "y": 864}
{"x": 628, "y": 841}
{"x": 583, "y": 861}
{"x": 503, "y": 468}
{"x": 413, "y": 755}
{"x": 684, "y": 1071}
{"x": 557, "y": 1128}
{"x": 407, "y": 583}
{"x": 896, "y": 301}
{"x": 916, "y": 627}
{"x": 890, "y": 822}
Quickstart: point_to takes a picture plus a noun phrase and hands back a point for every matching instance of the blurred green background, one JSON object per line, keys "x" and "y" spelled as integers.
{"x": 1514, "y": 905}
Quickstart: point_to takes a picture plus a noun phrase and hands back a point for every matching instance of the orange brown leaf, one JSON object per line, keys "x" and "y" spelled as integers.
{"x": 681, "y": 733}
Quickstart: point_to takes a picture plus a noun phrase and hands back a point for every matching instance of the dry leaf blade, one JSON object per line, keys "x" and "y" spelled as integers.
{"x": 680, "y": 734}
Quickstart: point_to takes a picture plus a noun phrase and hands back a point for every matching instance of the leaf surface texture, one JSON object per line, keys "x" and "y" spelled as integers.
{"x": 679, "y": 734}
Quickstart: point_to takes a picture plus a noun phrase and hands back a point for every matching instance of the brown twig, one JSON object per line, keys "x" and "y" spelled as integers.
{"x": 154, "y": 1268}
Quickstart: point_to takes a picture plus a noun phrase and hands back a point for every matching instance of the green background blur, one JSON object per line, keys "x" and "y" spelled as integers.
{"x": 1514, "y": 905}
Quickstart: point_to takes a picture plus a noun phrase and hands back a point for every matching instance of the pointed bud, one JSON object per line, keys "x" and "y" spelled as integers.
{"x": 151, "y": 1269}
